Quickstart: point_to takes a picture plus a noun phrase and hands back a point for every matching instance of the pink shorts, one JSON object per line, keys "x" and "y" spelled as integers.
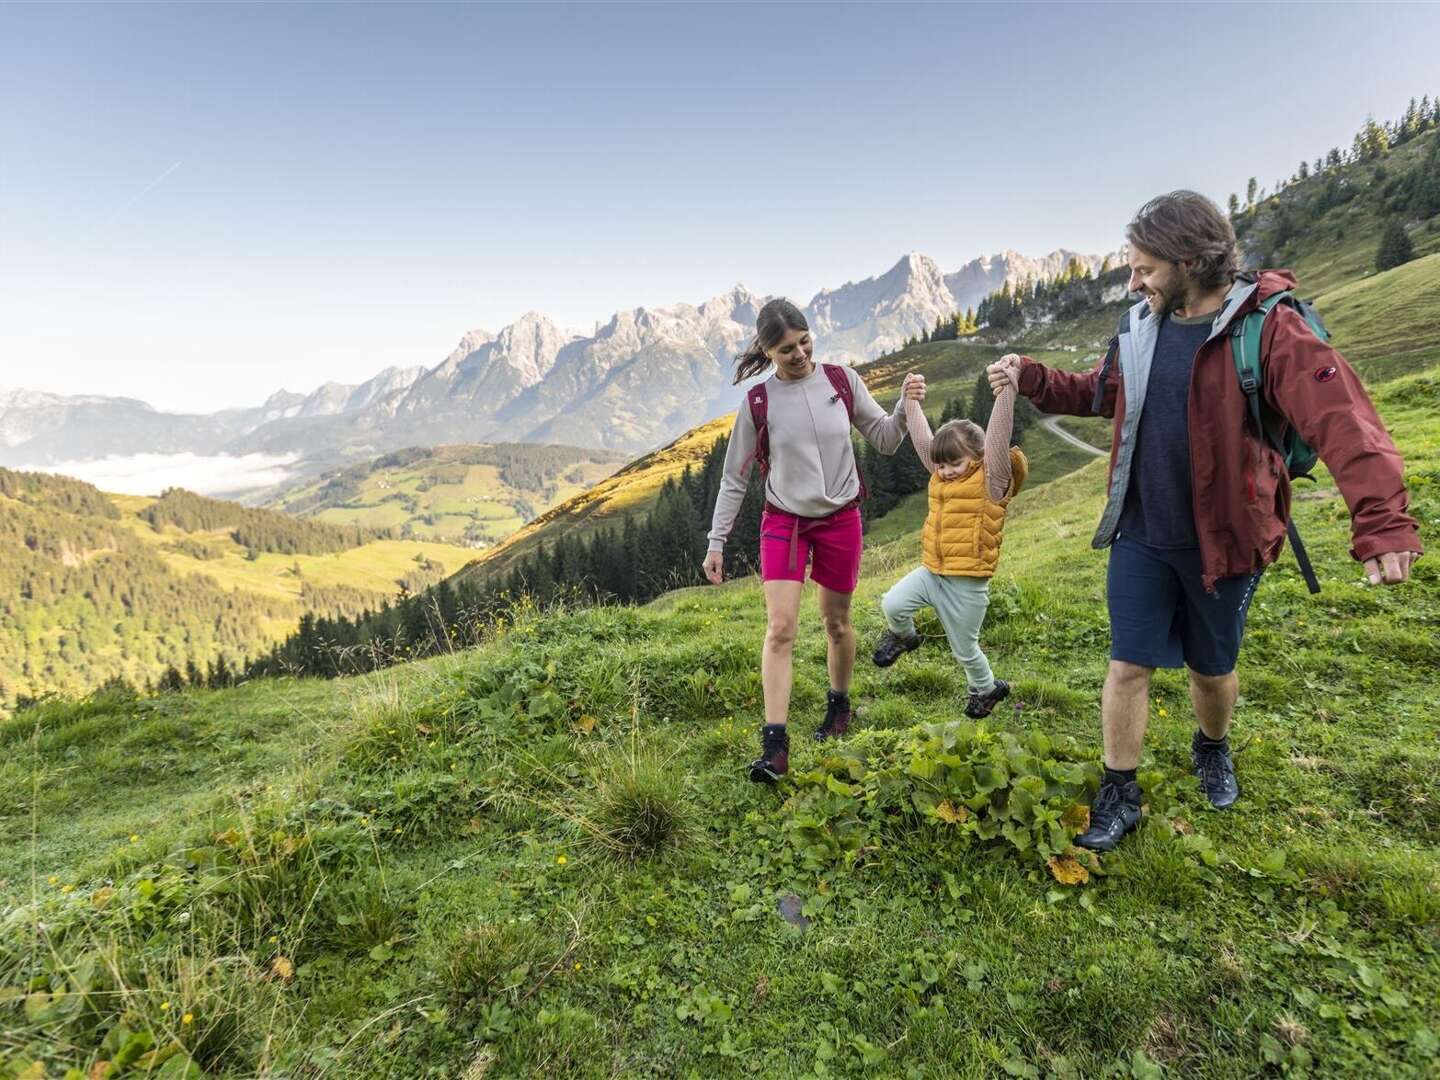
{"x": 832, "y": 545}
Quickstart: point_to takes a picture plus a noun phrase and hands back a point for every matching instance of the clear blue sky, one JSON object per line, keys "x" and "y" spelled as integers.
{"x": 359, "y": 184}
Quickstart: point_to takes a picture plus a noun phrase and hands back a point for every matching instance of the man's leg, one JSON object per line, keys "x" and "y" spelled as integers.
{"x": 1213, "y": 698}
{"x": 1142, "y": 592}
{"x": 1124, "y": 713}
{"x": 1212, "y": 628}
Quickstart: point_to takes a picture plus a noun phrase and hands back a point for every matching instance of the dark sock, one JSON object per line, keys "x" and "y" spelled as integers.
{"x": 772, "y": 729}
{"x": 1222, "y": 743}
{"x": 837, "y": 697}
{"x": 1119, "y": 777}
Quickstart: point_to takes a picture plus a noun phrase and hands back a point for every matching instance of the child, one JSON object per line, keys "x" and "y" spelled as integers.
{"x": 973, "y": 476}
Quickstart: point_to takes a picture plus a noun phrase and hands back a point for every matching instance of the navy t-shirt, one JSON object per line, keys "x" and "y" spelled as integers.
{"x": 1159, "y": 508}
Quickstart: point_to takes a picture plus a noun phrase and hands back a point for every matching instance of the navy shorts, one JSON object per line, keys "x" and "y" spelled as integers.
{"x": 1161, "y": 615}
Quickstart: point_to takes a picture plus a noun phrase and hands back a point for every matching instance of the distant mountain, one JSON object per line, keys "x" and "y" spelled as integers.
{"x": 635, "y": 383}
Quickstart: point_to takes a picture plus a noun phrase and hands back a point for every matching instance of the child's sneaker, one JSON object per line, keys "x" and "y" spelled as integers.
{"x": 981, "y": 705}
{"x": 837, "y": 717}
{"x": 892, "y": 646}
{"x": 774, "y": 759}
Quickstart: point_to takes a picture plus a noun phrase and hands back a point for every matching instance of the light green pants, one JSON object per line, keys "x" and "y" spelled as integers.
{"x": 960, "y": 602}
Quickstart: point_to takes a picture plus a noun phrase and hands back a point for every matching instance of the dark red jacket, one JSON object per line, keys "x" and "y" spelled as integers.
{"x": 1241, "y": 490}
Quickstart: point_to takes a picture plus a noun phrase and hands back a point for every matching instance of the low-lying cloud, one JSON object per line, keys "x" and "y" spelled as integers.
{"x": 150, "y": 474}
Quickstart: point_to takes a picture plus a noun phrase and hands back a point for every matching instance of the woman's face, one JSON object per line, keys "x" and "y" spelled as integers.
{"x": 792, "y": 354}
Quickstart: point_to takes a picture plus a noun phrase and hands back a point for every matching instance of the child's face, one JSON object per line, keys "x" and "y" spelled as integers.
{"x": 952, "y": 470}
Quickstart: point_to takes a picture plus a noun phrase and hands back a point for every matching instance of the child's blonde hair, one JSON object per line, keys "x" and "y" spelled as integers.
{"x": 957, "y": 440}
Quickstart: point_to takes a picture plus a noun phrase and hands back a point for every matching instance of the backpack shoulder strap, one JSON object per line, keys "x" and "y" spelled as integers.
{"x": 841, "y": 382}
{"x": 758, "y": 400}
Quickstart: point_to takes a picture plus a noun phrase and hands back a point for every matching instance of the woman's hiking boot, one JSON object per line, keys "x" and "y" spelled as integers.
{"x": 1213, "y": 765}
{"x": 892, "y": 646}
{"x": 981, "y": 705}
{"x": 1115, "y": 812}
{"x": 774, "y": 759}
{"x": 837, "y": 716}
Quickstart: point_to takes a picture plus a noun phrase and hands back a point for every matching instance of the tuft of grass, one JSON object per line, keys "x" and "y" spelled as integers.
{"x": 638, "y": 807}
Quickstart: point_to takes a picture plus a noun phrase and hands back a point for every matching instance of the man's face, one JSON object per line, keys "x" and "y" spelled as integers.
{"x": 1165, "y": 285}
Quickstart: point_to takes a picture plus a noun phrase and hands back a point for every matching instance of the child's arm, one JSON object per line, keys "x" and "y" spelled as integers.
{"x": 997, "y": 442}
{"x": 919, "y": 432}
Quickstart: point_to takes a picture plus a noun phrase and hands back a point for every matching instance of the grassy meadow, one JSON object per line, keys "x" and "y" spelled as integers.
{"x": 541, "y": 857}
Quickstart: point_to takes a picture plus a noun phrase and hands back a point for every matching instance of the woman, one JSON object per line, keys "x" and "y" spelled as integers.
{"x": 796, "y": 424}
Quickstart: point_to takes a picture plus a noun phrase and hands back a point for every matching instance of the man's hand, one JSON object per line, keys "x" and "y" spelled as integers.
{"x": 1005, "y": 372}
{"x": 714, "y": 567}
{"x": 1390, "y": 567}
{"x": 913, "y": 388}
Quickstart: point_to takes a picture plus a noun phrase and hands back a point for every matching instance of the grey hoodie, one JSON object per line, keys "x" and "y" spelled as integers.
{"x": 812, "y": 464}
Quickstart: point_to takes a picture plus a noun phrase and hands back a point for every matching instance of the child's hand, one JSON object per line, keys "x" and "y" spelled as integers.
{"x": 913, "y": 388}
{"x": 1004, "y": 374}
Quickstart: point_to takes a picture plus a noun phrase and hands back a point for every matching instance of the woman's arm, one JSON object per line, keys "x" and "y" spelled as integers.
{"x": 739, "y": 457}
{"x": 882, "y": 430}
{"x": 997, "y": 442}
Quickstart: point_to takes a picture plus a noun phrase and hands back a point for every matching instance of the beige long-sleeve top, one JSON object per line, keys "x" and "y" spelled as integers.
{"x": 812, "y": 464}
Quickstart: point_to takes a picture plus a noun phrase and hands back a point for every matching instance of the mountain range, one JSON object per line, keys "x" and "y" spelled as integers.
{"x": 636, "y": 382}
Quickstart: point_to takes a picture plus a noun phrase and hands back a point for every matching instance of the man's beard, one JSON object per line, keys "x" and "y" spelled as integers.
{"x": 1172, "y": 298}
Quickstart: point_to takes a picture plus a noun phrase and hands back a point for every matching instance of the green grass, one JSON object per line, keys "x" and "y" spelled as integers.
{"x": 541, "y": 856}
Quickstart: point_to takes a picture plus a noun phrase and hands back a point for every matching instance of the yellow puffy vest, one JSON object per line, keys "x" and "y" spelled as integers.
{"x": 963, "y": 530}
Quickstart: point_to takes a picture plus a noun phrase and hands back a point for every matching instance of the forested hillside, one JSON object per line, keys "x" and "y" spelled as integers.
{"x": 475, "y": 496}
{"x": 95, "y": 588}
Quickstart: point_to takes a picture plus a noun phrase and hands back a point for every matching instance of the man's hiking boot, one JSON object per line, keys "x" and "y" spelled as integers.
{"x": 981, "y": 705}
{"x": 1213, "y": 765}
{"x": 837, "y": 717}
{"x": 892, "y": 646}
{"x": 774, "y": 759}
{"x": 1115, "y": 812}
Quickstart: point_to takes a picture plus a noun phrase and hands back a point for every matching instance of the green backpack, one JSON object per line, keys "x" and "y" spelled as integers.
{"x": 1299, "y": 456}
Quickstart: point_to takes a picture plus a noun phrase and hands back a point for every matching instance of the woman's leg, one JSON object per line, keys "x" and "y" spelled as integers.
{"x": 782, "y": 610}
{"x": 961, "y": 603}
{"x": 840, "y": 637}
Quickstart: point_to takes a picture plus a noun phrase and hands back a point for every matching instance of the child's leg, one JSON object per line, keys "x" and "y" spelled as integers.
{"x": 961, "y": 603}
{"x": 904, "y": 598}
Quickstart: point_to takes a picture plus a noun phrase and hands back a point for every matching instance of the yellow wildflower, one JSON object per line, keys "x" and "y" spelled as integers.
{"x": 164, "y": 1006}
{"x": 188, "y": 1018}
{"x": 560, "y": 860}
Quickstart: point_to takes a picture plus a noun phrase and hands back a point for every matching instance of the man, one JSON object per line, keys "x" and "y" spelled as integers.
{"x": 1198, "y": 498}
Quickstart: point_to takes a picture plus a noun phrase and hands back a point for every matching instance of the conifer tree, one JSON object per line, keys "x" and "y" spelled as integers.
{"x": 1395, "y": 247}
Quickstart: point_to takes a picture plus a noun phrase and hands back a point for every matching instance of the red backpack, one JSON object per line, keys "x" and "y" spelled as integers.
{"x": 759, "y": 400}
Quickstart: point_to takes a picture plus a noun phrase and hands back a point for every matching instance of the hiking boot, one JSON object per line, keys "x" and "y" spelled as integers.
{"x": 774, "y": 759}
{"x": 1216, "y": 770}
{"x": 837, "y": 717}
{"x": 892, "y": 646}
{"x": 981, "y": 705}
{"x": 1115, "y": 812}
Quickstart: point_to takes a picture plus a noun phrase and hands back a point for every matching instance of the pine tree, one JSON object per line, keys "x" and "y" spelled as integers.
{"x": 1234, "y": 205}
{"x": 1395, "y": 247}
{"x": 1250, "y": 188}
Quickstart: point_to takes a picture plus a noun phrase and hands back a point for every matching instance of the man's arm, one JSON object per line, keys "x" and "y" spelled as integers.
{"x": 1070, "y": 393}
{"x": 1317, "y": 391}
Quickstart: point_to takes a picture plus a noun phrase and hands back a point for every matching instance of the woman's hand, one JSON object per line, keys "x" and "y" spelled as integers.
{"x": 913, "y": 388}
{"x": 1004, "y": 373}
{"x": 714, "y": 567}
